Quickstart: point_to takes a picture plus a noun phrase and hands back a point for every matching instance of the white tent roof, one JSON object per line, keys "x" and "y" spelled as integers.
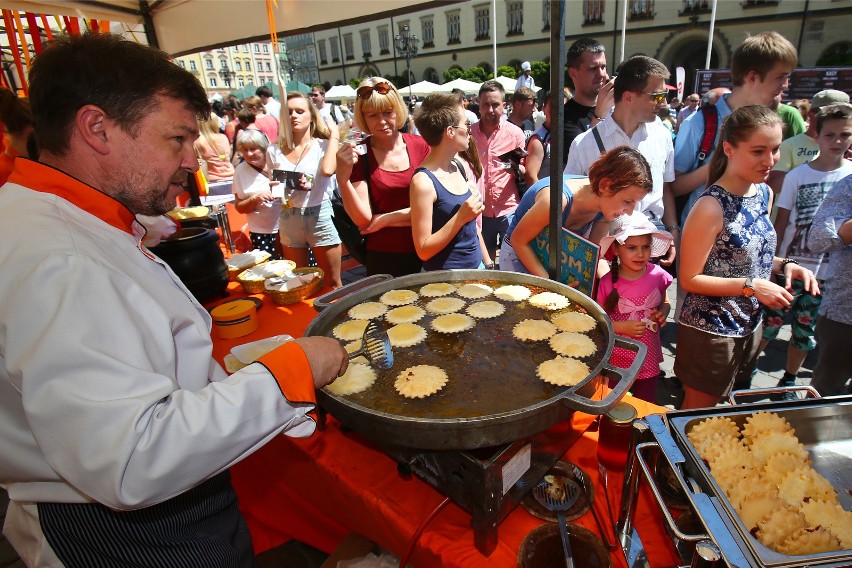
{"x": 509, "y": 84}
{"x": 421, "y": 89}
{"x": 469, "y": 87}
{"x": 339, "y": 92}
{"x": 188, "y": 26}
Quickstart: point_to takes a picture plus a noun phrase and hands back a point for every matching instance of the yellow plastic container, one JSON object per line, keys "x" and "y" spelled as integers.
{"x": 234, "y": 319}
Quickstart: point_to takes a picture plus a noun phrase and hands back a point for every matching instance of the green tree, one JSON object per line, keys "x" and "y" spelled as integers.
{"x": 354, "y": 82}
{"x": 452, "y": 74}
{"x": 508, "y": 71}
{"x": 476, "y": 74}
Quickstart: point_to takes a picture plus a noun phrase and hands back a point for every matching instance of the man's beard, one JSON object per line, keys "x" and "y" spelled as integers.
{"x": 141, "y": 198}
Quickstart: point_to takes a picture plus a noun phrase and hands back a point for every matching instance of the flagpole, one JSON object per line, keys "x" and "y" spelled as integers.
{"x": 710, "y": 38}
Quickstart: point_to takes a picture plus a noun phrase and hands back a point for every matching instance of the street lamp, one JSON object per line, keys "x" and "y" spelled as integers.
{"x": 226, "y": 74}
{"x": 406, "y": 46}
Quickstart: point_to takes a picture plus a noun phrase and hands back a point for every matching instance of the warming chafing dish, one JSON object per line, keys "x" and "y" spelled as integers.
{"x": 485, "y": 429}
{"x": 823, "y": 426}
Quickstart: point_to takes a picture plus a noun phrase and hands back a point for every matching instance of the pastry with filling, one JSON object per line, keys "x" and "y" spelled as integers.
{"x": 513, "y": 293}
{"x": 573, "y": 321}
{"x": 474, "y": 291}
{"x": 406, "y": 334}
{"x": 437, "y": 289}
{"x": 398, "y": 297}
{"x": 452, "y": 323}
{"x": 572, "y": 344}
{"x": 444, "y": 305}
{"x": 405, "y": 314}
{"x": 368, "y": 310}
{"x": 420, "y": 381}
{"x": 549, "y": 301}
{"x": 486, "y": 309}
{"x": 350, "y": 330}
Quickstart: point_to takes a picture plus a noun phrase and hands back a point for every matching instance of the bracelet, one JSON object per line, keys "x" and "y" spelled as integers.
{"x": 592, "y": 112}
{"x": 490, "y": 266}
{"x": 786, "y": 261}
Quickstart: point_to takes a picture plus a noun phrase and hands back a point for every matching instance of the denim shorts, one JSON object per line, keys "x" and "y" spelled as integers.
{"x": 303, "y": 227}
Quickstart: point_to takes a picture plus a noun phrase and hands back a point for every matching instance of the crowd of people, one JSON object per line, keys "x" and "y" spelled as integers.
{"x": 471, "y": 191}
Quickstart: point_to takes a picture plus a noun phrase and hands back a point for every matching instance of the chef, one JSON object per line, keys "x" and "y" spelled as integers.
{"x": 117, "y": 427}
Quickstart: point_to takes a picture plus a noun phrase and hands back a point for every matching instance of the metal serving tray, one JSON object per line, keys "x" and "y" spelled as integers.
{"x": 823, "y": 426}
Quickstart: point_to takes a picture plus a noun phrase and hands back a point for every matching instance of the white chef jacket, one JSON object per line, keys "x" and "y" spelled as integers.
{"x": 108, "y": 391}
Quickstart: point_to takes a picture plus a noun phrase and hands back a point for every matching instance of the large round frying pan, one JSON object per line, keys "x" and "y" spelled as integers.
{"x": 474, "y": 427}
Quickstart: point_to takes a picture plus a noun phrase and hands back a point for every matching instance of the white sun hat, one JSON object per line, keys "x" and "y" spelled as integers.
{"x": 633, "y": 225}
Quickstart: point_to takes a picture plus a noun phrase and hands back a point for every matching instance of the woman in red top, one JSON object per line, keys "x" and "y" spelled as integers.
{"x": 376, "y": 196}
{"x": 17, "y": 119}
{"x": 267, "y": 123}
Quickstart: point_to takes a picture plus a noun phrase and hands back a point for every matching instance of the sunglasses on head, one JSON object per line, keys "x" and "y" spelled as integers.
{"x": 382, "y": 87}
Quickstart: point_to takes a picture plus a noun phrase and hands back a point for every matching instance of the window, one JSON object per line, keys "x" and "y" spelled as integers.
{"x": 515, "y": 18}
{"x": 366, "y": 48}
{"x": 322, "y": 55}
{"x": 453, "y": 27}
{"x": 209, "y": 64}
{"x": 268, "y": 67}
{"x": 248, "y": 65}
{"x": 545, "y": 15}
{"x": 694, "y": 6}
{"x": 257, "y": 48}
{"x": 245, "y": 48}
{"x": 335, "y": 50}
{"x": 181, "y": 64}
{"x": 223, "y": 64}
{"x": 265, "y": 48}
{"x": 641, "y": 10}
{"x": 193, "y": 66}
{"x": 482, "y": 22}
{"x": 593, "y": 12}
{"x": 235, "y": 49}
{"x": 384, "y": 42}
{"x": 241, "y": 82}
{"x": 348, "y": 48}
{"x": 238, "y": 66}
{"x": 213, "y": 82}
{"x": 427, "y": 26}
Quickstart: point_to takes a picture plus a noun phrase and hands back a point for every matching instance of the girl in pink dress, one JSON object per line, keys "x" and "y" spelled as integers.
{"x": 633, "y": 293}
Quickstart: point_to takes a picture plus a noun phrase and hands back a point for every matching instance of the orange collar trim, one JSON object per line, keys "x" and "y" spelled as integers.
{"x": 43, "y": 178}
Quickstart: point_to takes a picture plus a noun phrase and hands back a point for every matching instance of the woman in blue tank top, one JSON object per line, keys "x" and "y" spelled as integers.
{"x": 617, "y": 181}
{"x": 444, "y": 205}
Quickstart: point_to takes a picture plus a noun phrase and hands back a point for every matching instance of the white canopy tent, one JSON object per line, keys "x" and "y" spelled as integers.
{"x": 469, "y": 87}
{"x": 422, "y": 88}
{"x": 340, "y": 92}
{"x": 186, "y": 26}
{"x": 509, "y": 84}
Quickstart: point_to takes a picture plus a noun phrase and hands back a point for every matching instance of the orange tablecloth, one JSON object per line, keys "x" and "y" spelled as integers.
{"x": 321, "y": 488}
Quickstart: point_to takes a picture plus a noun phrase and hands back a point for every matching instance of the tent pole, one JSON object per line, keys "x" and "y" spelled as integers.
{"x": 557, "y": 136}
{"x": 710, "y": 37}
{"x": 148, "y": 21}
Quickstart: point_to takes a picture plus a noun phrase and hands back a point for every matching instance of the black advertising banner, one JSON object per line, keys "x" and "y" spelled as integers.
{"x": 805, "y": 82}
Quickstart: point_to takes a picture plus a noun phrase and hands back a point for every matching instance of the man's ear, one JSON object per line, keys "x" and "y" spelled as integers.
{"x": 94, "y": 126}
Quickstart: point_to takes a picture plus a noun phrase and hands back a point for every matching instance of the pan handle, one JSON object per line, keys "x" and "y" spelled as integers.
{"x": 327, "y": 299}
{"x": 625, "y": 379}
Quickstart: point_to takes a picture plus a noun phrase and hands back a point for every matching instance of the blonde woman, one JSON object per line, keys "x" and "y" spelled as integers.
{"x": 376, "y": 195}
{"x": 214, "y": 148}
{"x": 306, "y": 220}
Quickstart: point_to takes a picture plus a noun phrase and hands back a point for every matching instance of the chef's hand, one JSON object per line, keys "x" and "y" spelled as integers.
{"x": 327, "y": 357}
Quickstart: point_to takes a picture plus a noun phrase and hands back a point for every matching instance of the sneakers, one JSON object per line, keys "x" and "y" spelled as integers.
{"x": 787, "y": 380}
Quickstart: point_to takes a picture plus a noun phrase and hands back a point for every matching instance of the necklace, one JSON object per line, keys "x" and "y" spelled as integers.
{"x": 302, "y": 153}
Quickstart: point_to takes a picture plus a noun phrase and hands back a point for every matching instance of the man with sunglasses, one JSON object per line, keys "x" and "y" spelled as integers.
{"x": 640, "y": 90}
{"x": 327, "y": 111}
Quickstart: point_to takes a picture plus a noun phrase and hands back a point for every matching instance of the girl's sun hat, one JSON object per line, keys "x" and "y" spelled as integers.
{"x": 633, "y": 225}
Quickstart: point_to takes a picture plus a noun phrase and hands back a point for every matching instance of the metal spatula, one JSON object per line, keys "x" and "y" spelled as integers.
{"x": 559, "y": 501}
{"x": 375, "y": 346}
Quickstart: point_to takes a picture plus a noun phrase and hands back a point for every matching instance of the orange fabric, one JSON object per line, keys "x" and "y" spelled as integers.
{"x": 292, "y": 371}
{"x": 319, "y": 489}
{"x": 49, "y": 180}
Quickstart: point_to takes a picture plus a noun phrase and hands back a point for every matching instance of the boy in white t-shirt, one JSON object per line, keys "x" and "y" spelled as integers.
{"x": 803, "y": 191}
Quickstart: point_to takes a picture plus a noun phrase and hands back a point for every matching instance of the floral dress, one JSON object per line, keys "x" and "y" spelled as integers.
{"x": 745, "y": 247}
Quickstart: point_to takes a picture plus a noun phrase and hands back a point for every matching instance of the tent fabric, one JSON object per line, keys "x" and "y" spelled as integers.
{"x": 340, "y": 92}
{"x": 298, "y": 86}
{"x": 422, "y": 88}
{"x": 469, "y": 87}
{"x": 509, "y": 84}
{"x": 189, "y": 26}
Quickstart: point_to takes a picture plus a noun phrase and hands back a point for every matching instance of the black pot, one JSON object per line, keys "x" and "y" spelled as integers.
{"x": 194, "y": 255}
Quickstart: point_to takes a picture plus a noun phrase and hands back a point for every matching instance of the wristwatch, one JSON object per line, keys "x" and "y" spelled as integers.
{"x": 748, "y": 288}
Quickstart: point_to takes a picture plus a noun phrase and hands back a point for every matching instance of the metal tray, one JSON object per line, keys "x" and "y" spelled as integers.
{"x": 823, "y": 426}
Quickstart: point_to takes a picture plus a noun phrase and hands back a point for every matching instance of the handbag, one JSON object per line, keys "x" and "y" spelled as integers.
{"x": 349, "y": 233}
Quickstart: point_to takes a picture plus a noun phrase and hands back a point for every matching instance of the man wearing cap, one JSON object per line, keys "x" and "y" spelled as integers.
{"x": 802, "y": 148}
{"x": 526, "y": 79}
{"x": 117, "y": 426}
{"x": 640, "y": 90}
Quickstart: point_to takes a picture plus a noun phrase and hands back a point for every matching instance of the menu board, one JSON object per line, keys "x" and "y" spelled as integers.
{"x": 805, "y": 82}
{"x": 578, "y": 259}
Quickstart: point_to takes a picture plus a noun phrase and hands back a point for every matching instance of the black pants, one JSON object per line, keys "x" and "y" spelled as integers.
{"x": 201, "y": 527}
{"x": 393, "y": 263}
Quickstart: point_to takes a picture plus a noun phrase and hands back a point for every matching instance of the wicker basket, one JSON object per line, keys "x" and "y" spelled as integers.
{"x": 234, "y": 271}
{"x": 256, "y": 286}
{"x": 283, "y": 298}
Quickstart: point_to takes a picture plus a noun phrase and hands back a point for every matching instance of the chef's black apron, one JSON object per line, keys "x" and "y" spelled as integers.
{"x": 200, "y": 528}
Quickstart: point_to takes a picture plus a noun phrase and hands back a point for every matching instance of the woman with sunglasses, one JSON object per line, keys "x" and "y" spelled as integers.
{"x": 445, "y": 204}
{"x": 374, "y": 186}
